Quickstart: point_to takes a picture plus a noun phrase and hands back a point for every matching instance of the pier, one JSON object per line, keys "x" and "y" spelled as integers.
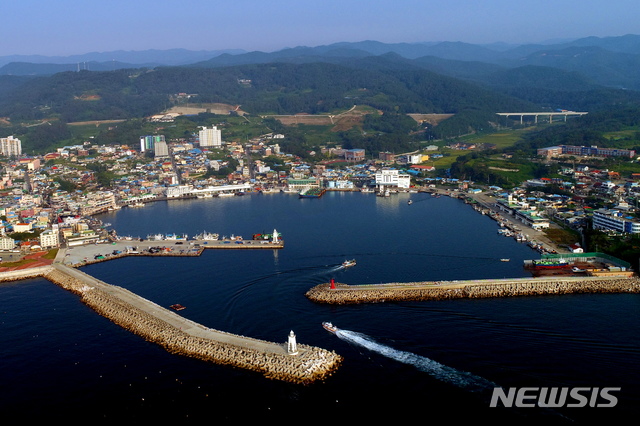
{"x": 342, "y": 294}
{"x": 93, "y": 253}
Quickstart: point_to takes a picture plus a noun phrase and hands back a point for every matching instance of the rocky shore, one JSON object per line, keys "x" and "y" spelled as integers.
{"x": 309, "y": 365}
{"x": 422, "y": 291}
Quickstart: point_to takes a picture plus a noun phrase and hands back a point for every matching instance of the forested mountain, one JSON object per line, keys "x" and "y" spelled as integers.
{"x": 398, "y": 79}
{"x": 276, "y": 88}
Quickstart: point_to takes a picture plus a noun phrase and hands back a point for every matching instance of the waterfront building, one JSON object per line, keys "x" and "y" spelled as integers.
{"x": 615, "y": 220}
{"x": 49, "y": 239}
{"x": 10, "y": 146}
{"x": 392, "y": 178}
{"x": 302, "y": 183}
{"x": 210, "y": 137}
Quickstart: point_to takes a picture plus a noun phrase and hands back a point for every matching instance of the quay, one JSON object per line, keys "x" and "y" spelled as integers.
{"x": 341, "y": 294}
{"x": 93, "y": 253}
{"x": 288, "y": 361}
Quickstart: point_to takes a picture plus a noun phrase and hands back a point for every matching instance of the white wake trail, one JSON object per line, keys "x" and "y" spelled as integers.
{"x": 439, "y": 371}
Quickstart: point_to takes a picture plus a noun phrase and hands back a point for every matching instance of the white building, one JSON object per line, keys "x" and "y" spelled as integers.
{"x": 210, "y": 137}
{"x": 7, "y": 243}
{"x": 49, "y": 239}
{"x": 391, "y": 178}
{"x": 10, "y": 146}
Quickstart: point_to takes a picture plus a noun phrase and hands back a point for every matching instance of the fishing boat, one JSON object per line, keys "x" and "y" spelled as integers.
{"x": 348, "y": 263}
{"x": 550, "y": 264}
{"x": 329, "y": 327}
{"x": 410, "y": 202}
{"x": 504, "y": 260}
{"x": 312, "y": 192}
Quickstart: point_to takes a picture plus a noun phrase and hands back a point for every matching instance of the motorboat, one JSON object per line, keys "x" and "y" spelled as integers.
{"x": 348, "y": 263}
{"x": 329, "y": 327}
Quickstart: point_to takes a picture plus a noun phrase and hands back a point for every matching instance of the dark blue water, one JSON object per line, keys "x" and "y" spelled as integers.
{"x": 61, "y": 360}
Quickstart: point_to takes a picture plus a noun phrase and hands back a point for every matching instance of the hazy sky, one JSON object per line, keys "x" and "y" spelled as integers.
{"x": 66, "y": 27}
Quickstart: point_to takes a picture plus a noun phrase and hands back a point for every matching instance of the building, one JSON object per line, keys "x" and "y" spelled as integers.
{"x": 581, "y": 151}
{"x": 7, "y": 243}
{"x": 147, "y": 143}
{"x": 355, "y": 155}
{"x": 10, "y": 146}
{"x": 210, "y": 137}
{"x": 49, "y": 239}
{"x": 161, "y": 149}
{"x": 615, "y": 220}
{"x": 391, "y": 178}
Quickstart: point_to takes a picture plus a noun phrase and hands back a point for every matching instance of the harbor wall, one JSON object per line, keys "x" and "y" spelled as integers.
{"x": 346, "y": 294}
{"x": 311, "y": 364}
{"x": 181, "y": 336}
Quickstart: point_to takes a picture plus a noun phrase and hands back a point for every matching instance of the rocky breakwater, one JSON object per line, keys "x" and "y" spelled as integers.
{"x": 160, "y": 326}
{"x": 342, "y": 294}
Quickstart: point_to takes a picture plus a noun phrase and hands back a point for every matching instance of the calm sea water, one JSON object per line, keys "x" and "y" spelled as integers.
{"x": 435, "y": 360}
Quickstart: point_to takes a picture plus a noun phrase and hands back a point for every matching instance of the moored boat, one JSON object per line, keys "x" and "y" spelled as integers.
{"x": 550, "y": 264}
{"x": 329, "y": 327}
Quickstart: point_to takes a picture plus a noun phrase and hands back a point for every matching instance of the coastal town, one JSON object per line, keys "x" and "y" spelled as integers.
{"x": 52, "y": 201}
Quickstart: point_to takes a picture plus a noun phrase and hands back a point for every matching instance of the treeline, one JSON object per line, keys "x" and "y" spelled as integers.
{"x": 273, "y": 89}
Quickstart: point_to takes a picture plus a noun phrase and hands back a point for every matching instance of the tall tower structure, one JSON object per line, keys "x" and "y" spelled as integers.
{"x": 210, "y": 137}
{"x": 292, "y": 346}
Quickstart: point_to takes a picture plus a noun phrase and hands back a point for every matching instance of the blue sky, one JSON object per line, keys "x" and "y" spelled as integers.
{"x": 67, "y": 27}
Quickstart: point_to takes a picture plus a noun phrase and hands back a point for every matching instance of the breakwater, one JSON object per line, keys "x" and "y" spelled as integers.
{"x": 422, "y": 291}
{"x": 181, "y": 336}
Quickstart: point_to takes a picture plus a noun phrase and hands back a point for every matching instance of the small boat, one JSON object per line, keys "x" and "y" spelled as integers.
{"x": 348, "y": 263}
{"x": 177, "y": 307}
{"x": 329, "y": 327}
{"x": 504, "y": 260}
{"x": 410, "y": 202}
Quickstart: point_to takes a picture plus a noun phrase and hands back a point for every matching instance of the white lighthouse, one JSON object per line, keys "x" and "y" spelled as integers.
{"x": 292, "y": 347}
{"x": 275, "y": 236}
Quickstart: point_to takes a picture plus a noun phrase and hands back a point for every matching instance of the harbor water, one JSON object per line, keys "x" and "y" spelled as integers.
{"x": 437, "y": 360}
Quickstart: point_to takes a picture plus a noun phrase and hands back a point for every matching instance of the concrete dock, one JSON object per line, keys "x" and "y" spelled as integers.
{"x": 92, "y": 253}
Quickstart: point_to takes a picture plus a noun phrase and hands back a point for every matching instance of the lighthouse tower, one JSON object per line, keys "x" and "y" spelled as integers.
{"x": 292, "y": 347}
{"x": 275, "y": 236}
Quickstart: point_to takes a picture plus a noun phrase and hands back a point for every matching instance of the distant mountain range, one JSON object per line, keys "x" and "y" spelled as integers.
{"x": 609, "y": 61}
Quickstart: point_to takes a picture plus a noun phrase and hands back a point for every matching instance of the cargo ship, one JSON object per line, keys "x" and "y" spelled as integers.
{"x": 329, "y": 327}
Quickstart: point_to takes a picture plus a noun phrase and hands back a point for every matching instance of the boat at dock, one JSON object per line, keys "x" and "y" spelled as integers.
{"x": 550, "y": 264}
{"x": 312, "y": 193}
{"x": 207, "y": 236}
{"x": 329, "y": 327}
{"x": 348, "y": 263}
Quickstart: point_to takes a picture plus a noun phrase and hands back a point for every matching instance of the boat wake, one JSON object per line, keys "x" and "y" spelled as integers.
{"x": 461, "y": 379}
